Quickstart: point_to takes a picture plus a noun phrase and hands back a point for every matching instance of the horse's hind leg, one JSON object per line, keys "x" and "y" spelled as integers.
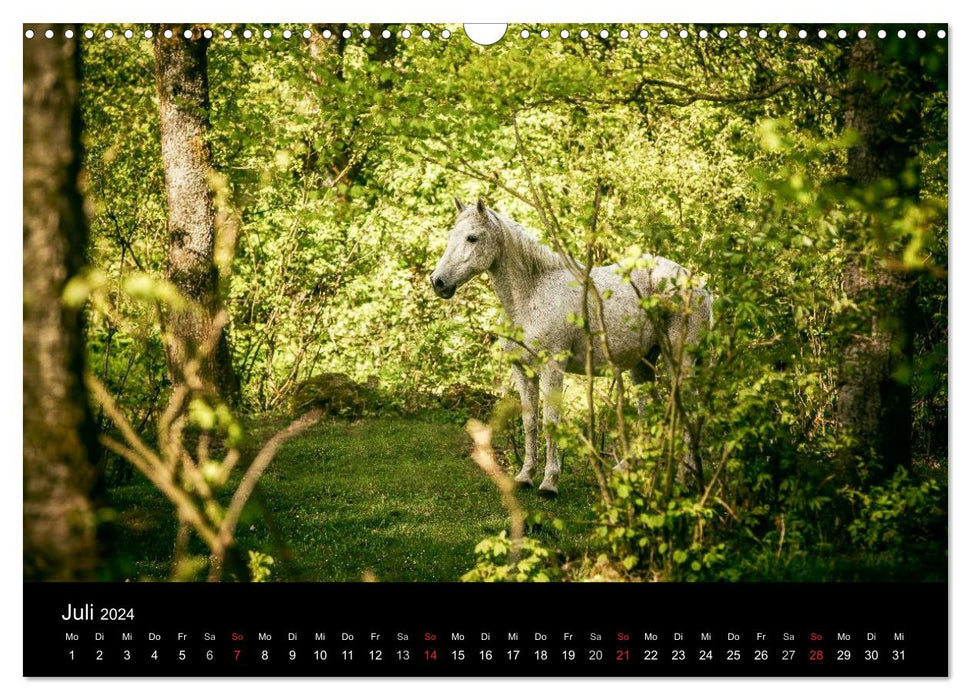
{"x": 681, "y": 372}
{"x": 529, "y": 396}
{"x": 643, "y": 372}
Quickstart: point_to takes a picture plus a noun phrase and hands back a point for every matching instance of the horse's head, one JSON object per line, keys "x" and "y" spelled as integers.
{"x": 473, "y": 244}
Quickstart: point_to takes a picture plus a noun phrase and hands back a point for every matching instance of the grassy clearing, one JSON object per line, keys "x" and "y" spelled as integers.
{"x": 400, "y": 499}
{"x": 396, "y": 498}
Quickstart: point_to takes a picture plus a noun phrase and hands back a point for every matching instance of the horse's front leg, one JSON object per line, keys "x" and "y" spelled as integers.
{"x": 529, "y": 396}
{"x": 551, "y": 387}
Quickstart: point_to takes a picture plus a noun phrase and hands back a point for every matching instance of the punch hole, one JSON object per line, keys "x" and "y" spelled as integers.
{"x": 69, "y": 34}
{"x": 29, "y": 34}
{"x": 742, "y": 34}
{"x": 545, "y": 33}
{"x": 485, "y": 34}
{"x": 88, "y": 34}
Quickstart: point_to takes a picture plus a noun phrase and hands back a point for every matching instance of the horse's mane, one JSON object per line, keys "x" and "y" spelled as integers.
{"x": 523, "y": 249}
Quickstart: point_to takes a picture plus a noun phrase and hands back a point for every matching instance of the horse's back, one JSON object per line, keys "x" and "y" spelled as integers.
{"x": 630, "y": 333}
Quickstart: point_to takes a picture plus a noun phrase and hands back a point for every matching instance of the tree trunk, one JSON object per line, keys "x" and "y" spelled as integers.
{"x": 59, "y": 445}
{"x": 183, "y": 92}
{"x": 874, "y": 403}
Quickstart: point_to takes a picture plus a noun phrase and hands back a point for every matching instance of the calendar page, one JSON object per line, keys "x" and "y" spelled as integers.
{"x": 355, "y": 349}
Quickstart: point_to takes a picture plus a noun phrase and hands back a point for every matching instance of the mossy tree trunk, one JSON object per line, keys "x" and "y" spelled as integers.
{"x": 183, "y": 93}
{"x": 59, "y": 445}
{"x": 874, "y": 403}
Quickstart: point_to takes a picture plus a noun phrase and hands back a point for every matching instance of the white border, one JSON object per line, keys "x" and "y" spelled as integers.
{"x": 438, "y": 11}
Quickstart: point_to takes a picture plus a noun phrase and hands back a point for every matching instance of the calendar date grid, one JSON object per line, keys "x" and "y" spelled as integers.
{"x": 243, "y": 649}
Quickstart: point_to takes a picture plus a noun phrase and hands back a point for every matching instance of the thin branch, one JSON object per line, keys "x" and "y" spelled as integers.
{"x": 248, "y": 483}
{"x": 486, "y": 460}
{"x": 691, "y": 95}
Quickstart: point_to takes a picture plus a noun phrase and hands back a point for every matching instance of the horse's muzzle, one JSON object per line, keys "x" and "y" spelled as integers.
{"x": 443, "y": 291}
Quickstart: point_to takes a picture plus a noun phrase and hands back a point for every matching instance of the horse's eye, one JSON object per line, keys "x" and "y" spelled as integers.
{"x": 472, "y": 239}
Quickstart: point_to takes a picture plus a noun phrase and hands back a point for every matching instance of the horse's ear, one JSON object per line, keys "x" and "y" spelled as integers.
{"x": 480, "y": 206}
{"x": 458, "y": 205}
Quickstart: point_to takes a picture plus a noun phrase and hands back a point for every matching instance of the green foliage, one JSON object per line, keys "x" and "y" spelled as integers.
{"x": 653, "y": 536}
{"x": 498, "y": 560}
{"x": 259, "y": 566}
{"x": 904, "y": 516}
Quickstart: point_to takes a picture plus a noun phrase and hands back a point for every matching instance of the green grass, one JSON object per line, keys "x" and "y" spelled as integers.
{"x": 399, "y": 499}
{"x": 396, "y": 498}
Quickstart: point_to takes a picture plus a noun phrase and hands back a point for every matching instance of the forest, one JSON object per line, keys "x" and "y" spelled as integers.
{"x": 236, "y": 367}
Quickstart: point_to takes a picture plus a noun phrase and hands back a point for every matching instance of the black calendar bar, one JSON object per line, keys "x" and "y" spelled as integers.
{"x": 392, "y": 629}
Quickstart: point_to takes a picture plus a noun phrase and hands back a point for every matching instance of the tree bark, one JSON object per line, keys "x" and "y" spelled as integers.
{"x": 183, "y": 92}
{"x": 59, "y": 446}
{"x": 874, "y": 402}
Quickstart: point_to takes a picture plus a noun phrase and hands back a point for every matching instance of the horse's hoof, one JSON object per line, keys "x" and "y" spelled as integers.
{"x": 523, "y": 485}
{"x": 547, "y": 492}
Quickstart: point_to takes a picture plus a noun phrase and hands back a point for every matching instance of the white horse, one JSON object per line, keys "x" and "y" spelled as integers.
{"x": 539, "y": 292}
